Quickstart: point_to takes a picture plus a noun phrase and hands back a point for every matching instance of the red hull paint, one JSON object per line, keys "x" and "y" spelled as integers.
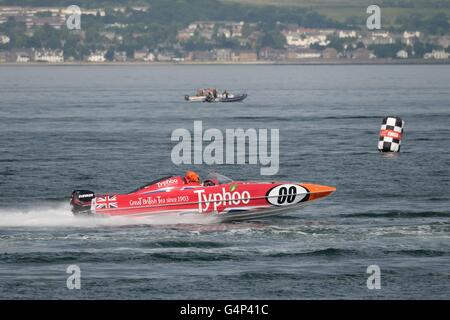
{"x": 173, "y": 195}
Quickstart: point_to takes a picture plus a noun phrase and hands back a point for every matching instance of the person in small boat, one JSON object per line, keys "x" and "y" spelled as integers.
{"x": 225, "y": 94}
{"x": 210, "y": 96}
{"x": 192, "y": 177}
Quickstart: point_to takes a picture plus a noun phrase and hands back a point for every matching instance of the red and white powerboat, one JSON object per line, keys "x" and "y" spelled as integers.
{"x": 217, "y": 195}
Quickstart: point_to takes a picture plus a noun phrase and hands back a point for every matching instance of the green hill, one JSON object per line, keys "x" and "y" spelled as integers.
{"x": 348, "y": 10}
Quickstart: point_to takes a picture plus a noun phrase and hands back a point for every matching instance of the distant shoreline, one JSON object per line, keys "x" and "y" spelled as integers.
{"x": 305, "y": 62}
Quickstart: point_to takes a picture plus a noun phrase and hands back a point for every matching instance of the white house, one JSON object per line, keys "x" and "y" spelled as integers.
{"x": 410, "y": 36}
{"x": 343, "y": 34}
{"x": 402, "y": 54}
{"x": 164, "y": 56}
{"x": 379, "y": 37}
{"x": 304, "y": 40}
{"x": 50, "y": 56}
{"x": 91, "y": 12}
{"x": 97, "y": 56}
{"x": 225, "y": 32}
{"x": 23, "y": 57}
{"x": 150, "y": 57}
{"x": 116, "y": 25}
{"x": 436, "y": 54}
{"x": 187, "y": 33}
{"x": 120, "y": 56}
{"x": 4, "y": 39}
{"x": 306, "y": 54}
{"x": 224, "y": 54}
{"x": 236, "y": 29}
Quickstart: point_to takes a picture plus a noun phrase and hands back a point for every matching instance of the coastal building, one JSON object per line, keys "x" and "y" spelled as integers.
{"x": 271, "y": 54}
{"x": 362, "y": 54}
{"x": 204, "y": 29}
{"x": 224, "y": 55}
{"x": 411, "y": 34}
{"x": 236, "y": 29}
{"x": 56, "y": 22}
{"x": 20, "y": 55}
{"x": 252, "y": 39}
{"x": 64, "y": 11}
{"x": 3, "y": 56}
{"x": 54, "y": 11}
{"x": 207, "y": 34}
{"x": 345, "y": 34}
{"x": 140, "y": 8}
{"x": 165, "y": 56}
{"x": 306, "y": 54}
{"x": 186, "y": 34}
{"x": 23, "y": 57}
{"x": 134, "y": 8}
{"x": 108, "y": 35}
{"x": 306, "y": 39}
{"x": 443, "y": 41}
{"x": 436, "y": 54}
{"x": 309, "y": 54}
{"x": 116, "y": 25}
{"x": 136, "y": 35}
{"x": 201, "y": 56}
{"x": 93, "y": 12}
{"x": 140, "y": 55}
{"x": 409, "y": 37}
{"x": 144, "y": 55}
{"x": 210, "y": 29}
{"x": 379, "y": 37}
{"x": 245, "y": 56}
{"x": 224, "y": 32}
{"x": 97, "y": 56}
{"x": 119, "y": 9}
{"x": 330, "y": 53}
{"x": 402, "y": 54}
{"x": 120, "y": 56}
{"x": 150, "y": 57}
{"x": 4, "y": 39}
{"x": 50, "y": 56}
{"x": 11, "y": 10}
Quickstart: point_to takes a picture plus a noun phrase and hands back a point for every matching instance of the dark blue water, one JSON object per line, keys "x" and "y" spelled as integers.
{"x": 109, "y": 128}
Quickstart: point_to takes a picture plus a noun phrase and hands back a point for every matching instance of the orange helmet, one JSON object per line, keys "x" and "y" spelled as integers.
{"x": 192, "y": 176}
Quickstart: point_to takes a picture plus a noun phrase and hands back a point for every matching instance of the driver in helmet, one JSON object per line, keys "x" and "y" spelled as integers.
{"x": 192, "y": 177}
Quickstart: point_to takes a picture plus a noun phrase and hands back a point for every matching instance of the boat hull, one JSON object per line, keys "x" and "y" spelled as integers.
{"x": 219, "y": 98}
{"x": 226, "y": 202}
{"x": 236, "y": 98}
{"x": 195, "y": 98}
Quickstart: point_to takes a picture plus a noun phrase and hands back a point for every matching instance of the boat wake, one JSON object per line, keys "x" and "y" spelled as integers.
{"x": 59, "y": 215}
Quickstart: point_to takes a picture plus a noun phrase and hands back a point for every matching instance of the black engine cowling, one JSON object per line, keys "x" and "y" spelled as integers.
{"x": 80, "y": 201}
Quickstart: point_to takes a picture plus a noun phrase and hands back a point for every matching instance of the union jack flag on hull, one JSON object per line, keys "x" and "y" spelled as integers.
{"x": 106, "y": 202}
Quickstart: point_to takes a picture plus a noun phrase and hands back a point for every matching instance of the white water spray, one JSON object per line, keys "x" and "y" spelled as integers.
{"x": 59, "y": 215}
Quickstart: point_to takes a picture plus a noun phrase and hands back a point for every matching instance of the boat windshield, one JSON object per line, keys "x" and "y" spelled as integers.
{"x": 220, "y": 178}
{"x": 151, "y": 183}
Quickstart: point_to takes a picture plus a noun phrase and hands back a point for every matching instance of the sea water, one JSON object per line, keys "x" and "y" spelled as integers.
{"x": 108, "y": 129}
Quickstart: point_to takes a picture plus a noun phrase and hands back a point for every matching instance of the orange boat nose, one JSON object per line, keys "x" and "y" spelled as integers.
{"x": 318, "y": 191}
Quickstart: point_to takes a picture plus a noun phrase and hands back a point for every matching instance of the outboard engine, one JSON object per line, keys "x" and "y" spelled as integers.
{"x": 186, "y": 97}
{"x": 80, "y": 202}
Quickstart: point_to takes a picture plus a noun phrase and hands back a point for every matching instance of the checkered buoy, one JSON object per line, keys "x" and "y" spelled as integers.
{"x": 391, "y": 134}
